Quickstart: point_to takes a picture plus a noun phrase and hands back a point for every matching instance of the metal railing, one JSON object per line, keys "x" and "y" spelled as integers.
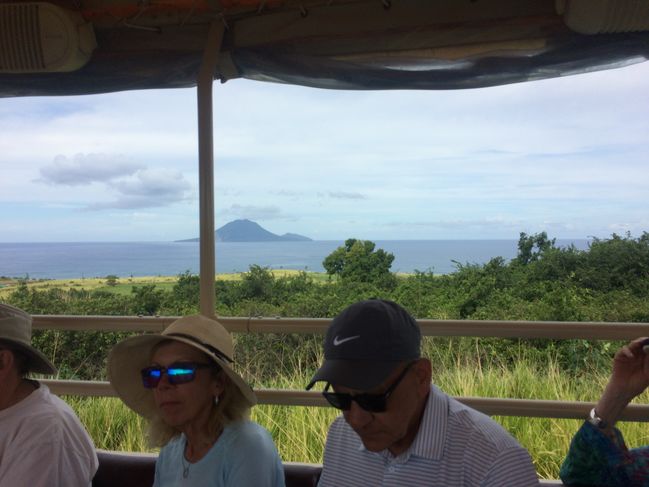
{"x": 446, "y": 328}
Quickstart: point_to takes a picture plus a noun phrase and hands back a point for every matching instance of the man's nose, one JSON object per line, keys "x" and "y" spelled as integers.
{"x": 356, "y": 416}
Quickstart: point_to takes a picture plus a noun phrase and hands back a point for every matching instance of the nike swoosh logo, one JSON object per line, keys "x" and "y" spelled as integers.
{"x": 340, "y": 341}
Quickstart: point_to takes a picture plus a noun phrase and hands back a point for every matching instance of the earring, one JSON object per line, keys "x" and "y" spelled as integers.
{"x": 216, "y": 400}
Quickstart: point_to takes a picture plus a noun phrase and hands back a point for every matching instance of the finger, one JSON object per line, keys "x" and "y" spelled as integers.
{"x": 634, "y": 348}
{"x": 638, "y": 343}
{"x": 624, "y": 352}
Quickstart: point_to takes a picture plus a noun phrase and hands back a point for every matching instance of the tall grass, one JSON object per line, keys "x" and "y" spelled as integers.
{"x": 300, "y": 432}
{"x": 110, "y": 423}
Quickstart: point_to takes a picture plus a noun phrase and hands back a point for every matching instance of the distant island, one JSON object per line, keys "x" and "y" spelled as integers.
{"x": 249, "y": 231}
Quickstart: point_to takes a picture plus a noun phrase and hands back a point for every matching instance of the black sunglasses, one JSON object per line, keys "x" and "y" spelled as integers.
{"x": 374, "y": 403}
{"x": 177, "y": 373}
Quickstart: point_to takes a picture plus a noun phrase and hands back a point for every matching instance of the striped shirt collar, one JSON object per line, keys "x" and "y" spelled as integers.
{"x": 429, "y": 442}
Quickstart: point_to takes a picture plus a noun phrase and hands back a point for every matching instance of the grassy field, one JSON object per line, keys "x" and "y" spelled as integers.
{"x": 124, "y": 285}
{"x": 300, "y": 432}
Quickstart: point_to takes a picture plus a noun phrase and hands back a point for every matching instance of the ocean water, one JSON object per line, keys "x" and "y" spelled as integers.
{"x": 123, "y": 259}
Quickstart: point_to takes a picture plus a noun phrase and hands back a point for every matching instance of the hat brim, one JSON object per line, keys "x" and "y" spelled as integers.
{"x": 37, "y": 361}
{"x": 362, "y": 375}
{"x": 130, "y": 356}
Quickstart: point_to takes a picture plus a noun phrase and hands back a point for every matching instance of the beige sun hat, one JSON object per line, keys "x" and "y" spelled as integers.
{"x": 16, "y": 329}
{"x": 130, "y": 356}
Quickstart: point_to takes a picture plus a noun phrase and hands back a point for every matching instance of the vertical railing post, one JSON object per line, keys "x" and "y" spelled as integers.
{"x": 206, "y": 167}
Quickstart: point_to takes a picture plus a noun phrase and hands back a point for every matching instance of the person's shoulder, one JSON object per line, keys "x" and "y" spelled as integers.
{"x": 46, "y": 419}
{"x": 247, "y": 428}
{"x": 57, "y": 410}
{"x": 247, "y": 439}
{"x": 247, "y": 432}
{"x": 341, "y": 435}
{"x": 174, "y": 447}
{"x": 171, "y": 452}
{"x": 339, "y": 426}
{"x": 42, "y": 407}
{"x": 176, "y": 442}
{"x": 464, "y": 420}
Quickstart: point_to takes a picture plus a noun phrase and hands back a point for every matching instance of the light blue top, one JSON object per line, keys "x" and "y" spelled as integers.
{"x": 243, "y": 456}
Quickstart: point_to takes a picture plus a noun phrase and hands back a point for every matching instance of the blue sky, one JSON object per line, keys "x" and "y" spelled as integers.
{"x": 569, "y": 156}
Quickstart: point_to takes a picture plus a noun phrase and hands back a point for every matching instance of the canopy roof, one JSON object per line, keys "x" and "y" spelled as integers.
{"x": 341, "y": 44}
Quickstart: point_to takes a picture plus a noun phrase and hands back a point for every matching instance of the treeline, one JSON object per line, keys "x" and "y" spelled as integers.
{"x": 607, "y": 282}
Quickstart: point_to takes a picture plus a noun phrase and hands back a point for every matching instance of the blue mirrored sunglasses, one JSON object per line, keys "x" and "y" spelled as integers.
{"x": 177, "y": 373}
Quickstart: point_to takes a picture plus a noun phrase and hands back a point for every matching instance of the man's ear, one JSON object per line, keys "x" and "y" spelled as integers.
{"x": 6, "y": 359}
{"x": 423, "y": 373}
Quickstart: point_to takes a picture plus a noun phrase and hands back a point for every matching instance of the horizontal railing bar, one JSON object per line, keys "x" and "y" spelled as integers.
{"x": 101, "y": 323}
{"x": 470, "y": 328}
{"x": 532, "y": 408}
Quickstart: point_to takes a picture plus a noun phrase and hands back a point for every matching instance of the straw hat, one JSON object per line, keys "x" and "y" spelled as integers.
{"x": 16, "y": 329}
{"x": 130, "y": 356}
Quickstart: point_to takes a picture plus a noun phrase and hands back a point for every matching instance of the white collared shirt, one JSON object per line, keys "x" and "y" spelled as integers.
{"x": 455, "y": 446}
{"x": 43, "y": 444}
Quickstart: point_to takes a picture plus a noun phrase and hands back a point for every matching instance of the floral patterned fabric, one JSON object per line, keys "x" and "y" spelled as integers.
{"x": 597, "y": 459}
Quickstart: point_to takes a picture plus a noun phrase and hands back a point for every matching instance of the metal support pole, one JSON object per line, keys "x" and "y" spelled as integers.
{"x": 206, "y": 167}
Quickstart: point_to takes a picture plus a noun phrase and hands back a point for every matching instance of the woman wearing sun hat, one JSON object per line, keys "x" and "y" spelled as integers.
{"x": 197, "y": 406}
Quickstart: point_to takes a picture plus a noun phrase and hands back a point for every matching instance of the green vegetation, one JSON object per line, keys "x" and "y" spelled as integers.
{"x": 111, "y": 280}
{"x": 357, "y": 261}
{"x": 607, "y": 282}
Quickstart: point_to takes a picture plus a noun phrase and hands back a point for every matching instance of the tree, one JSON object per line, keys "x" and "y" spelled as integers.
{"x": 147, "y": 299}
{"x": 187, "y": 290}
{"x": 257, "y": 283}
{"x": 111, "y": 280}
{"x": 532, "y": 247}
{"x": 620, "y": 262}
{"x": 357, "y": 261}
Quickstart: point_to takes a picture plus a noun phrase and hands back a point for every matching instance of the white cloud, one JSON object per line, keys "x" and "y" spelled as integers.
{"x": 117, "y": 183}
{"x": 149, "y": 189}
{"x": 84, "y": 169}
{"x": 343, "y": 195}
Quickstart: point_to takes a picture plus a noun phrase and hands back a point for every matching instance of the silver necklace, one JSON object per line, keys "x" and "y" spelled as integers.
{"x": 186, "y": 463}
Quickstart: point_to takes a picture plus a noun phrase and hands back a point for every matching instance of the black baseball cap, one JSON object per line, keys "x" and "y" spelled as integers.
{"x": 366, "y": 342}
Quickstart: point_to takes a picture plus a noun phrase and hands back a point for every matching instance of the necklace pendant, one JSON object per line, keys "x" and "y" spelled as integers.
{"x": 185, "y": 471}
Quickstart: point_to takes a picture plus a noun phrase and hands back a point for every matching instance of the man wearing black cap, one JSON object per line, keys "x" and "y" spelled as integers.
{"x": 397, "y": 429}
{"x": 42, "y": 442}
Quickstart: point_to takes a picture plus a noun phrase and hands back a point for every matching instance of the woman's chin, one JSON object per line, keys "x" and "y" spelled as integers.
{"x": 171, "y": 413}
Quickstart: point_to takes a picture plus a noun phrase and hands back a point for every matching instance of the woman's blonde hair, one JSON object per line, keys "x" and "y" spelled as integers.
{"x": 232, "y": 406}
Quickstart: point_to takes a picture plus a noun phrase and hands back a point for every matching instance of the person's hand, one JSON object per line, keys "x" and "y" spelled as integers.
{"x": 630, "y": 376}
